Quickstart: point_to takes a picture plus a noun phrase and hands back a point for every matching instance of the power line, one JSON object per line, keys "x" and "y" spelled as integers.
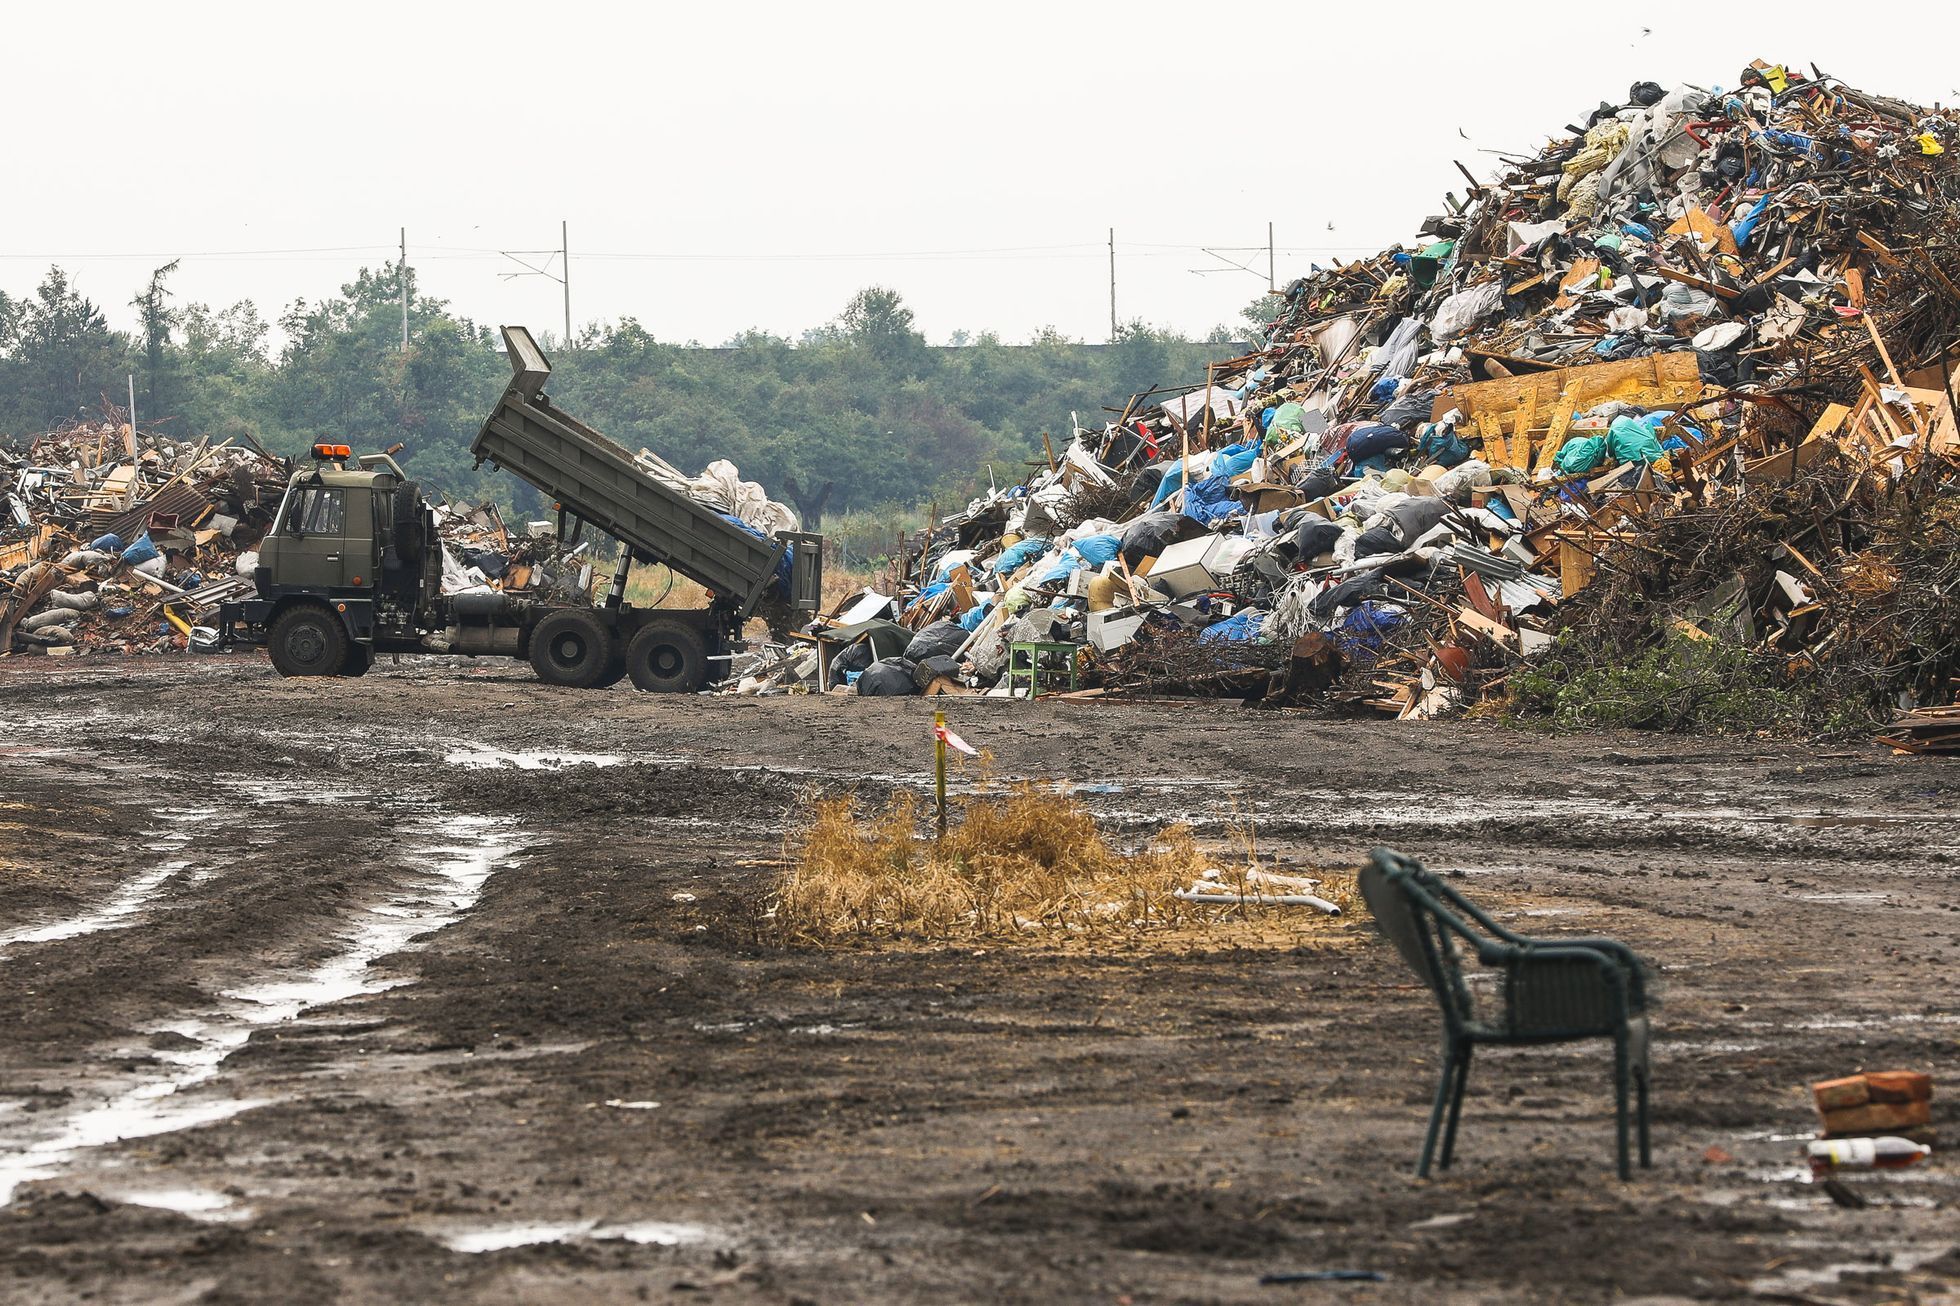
{"x": 448, "y": 253}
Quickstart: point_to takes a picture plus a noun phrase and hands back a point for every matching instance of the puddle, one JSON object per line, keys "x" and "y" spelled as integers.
{"x": 482, "y": 756}
{"x": 114, "y": 914}
{"x": 460, "y": 854}
{"x": 1871, "y": 821}
{"x": 128, "y": 901}
{"x": 291, "y": 793}
{"x": 1882, "y": 1263}
{"x": 530, "y": 1235}
{"x": 198, "y": 1203}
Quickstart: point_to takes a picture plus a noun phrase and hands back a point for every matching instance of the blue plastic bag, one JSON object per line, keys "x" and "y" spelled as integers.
{"x": 1016, "y": 555}
{"x": 140, "y": 552}
{"x": 1240, "y": 629}
{"x": 782, "y": 564}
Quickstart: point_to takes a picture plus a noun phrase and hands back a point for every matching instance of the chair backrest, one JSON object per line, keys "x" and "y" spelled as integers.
{"x": 1552, "y": 988}
{"x": 1412, "y": 920}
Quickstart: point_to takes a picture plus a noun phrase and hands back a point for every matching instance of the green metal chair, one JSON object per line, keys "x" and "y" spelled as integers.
{"x": 1025, "y": 663}
{"x": 1552, "y": 990}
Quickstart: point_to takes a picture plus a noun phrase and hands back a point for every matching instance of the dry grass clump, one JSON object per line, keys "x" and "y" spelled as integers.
{"x": 1029, "y": 865}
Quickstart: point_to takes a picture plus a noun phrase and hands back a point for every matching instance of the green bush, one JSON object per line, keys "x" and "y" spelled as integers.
{"x": 1712, "y": 686}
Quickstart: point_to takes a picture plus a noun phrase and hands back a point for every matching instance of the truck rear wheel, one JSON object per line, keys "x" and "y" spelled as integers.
{"x": 307, "y": 641}
{"x": 572, "y": 647}
{"x": 668, "y": 657}
{"x": 615, "y": 669}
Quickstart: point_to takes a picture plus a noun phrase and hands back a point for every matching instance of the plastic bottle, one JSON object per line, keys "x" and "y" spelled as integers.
{"x": 1866, "y": 1153}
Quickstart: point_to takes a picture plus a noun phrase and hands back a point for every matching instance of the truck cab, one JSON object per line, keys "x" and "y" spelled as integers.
{"x": 323, "y": 538}
{"x": 345, "y": 571}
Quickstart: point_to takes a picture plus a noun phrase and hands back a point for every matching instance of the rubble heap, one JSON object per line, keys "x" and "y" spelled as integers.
{"x": 114, "y": 540}
{"x": 1686, "y": 372}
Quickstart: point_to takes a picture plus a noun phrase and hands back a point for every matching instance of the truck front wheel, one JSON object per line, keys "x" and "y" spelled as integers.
{"x": 307, "y": 641}
{"x": 572, "y": 647}
{"x": 668, "y": 657}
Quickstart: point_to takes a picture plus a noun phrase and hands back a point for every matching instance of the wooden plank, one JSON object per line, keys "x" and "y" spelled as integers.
{"x": 1699, "y": 283}
{"x": 1885, "y": 255}
{"x": 1582, "y": 270}
{"x": 1698, "y": 224}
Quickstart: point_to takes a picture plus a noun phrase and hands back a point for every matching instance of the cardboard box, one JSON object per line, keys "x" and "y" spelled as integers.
{"x": 1267, "y": 496}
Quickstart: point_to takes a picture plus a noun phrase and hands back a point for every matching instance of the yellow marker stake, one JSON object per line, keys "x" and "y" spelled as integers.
{"x": 939, "y": 765}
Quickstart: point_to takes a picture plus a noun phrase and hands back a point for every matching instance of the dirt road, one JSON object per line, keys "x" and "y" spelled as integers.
{"x": 344, "y": 991}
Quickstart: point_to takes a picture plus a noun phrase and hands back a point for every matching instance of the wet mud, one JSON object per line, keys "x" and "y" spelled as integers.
{"x": 441, "y": 984}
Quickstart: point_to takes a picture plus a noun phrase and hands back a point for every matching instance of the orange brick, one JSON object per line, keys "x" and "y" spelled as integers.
{"x": 1877, "y": 1117}
{"x": 1835, "y": 1094}
{"x": 1899, "y": 1086}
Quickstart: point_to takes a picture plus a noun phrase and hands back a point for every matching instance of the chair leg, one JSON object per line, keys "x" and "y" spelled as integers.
{"x": 1620, "y": 1076}
{"x": 1436, "y": 1113}
{"x": 1456, "y": 1106}
{"x": 1646, "y": 1146}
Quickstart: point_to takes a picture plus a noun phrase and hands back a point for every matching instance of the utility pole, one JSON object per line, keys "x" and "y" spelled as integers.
{"x": 1112, "y": 285}
{"x": 563, "y": 276}
{"x": 402, "y": 270}
{"x": 130, "y": 443}
{"x": 1271, "y": 286}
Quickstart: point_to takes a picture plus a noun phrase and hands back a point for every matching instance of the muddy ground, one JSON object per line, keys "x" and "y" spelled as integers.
{"x": 330, "y": 992}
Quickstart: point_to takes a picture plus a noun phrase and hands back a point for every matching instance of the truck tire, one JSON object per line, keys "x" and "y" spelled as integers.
{"x": 307, "y": 641}
{"x": 360, "y": 660}
{"x": 615, "y": 669}
{"x": 668, "y": 657}
{"x": 572, "y": 647}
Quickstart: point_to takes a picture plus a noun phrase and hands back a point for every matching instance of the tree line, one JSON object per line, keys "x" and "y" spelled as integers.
{"x": 861, "y": 404}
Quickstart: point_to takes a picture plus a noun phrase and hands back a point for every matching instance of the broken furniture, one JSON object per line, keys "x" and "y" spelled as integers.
{"x": 1024, "y": 664}
{"x": 1553, "y": 990}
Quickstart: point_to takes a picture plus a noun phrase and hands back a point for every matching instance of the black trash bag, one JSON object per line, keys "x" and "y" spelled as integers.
{"x": 931, "y": 669}
{"x": 1412, "y": 406}
{"x": 1315, "y": 538}
{"x": 487, "y": 561}
{"x": 1320, "y": 482}
{"x": 1144, "y": 487}
{"x": 1345, "y": 595}
{"x": 1154, "y": 532}
{"x": 855, "y": 658}
{"x": 891, "y": 678}
{"x": 939, "y": 639}
{"x": 1379, "y": 540}
{"x": 1646, "y": 94}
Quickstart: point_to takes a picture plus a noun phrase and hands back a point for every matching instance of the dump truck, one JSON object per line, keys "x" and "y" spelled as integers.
{"x": 352, "y": 565}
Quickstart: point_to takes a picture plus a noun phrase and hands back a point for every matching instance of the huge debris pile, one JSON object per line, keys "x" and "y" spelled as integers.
{"x": 114, "y": 540}
{"x": 1684, "y": 373}
{"x": 103, "y": 525}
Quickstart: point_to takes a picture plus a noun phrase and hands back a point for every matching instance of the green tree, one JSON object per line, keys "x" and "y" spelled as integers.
{"x": 64, "y": 358}
{"x": 154, "y": 311}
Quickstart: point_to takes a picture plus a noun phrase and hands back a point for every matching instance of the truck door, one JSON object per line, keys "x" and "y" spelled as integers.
{"x": 314, "y": 551}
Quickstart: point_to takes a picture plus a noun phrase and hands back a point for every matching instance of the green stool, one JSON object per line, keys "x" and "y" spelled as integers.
{"x": 1024, "y": 662}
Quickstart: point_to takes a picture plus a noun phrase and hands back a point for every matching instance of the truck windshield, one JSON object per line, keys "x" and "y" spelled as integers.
{"x": 317, "y": 510}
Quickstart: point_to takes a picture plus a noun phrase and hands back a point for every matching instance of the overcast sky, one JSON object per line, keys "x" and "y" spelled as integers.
{"x": 732, "y": 166}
